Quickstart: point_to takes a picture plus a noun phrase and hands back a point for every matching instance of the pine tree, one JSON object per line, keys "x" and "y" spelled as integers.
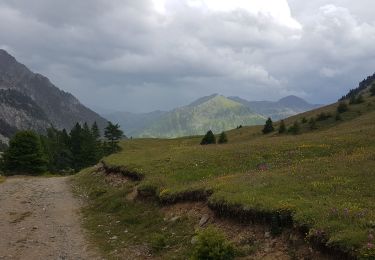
{"x": 88, "y": 146}
{"x": 209, "y": 138}
{"x": 76, "y": 146}
{"x": 95, "y": 131}
{"x": 25, "y": 154}
{"x": 282, "y": 128}
{"x": 98, "y": 143}
{"x": 268, "y": 127}
{"x": 113, "y": 134}
{"x": 223, "y": 139}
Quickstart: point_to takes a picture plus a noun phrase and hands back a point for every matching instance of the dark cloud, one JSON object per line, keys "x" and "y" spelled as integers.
{"x": 124, "y": 55}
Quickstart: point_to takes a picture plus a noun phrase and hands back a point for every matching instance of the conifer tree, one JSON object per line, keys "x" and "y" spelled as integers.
{"x": 56, "y": 146}
{"x": 88, "y": 146}
{"x": 282, "y": 128}
{"x": 76, "y": 146}
{"x": 25, "y": 154}
{"x": 98, "y": 143}
{"x": 268, "y": 127}
{"x": 223, "y": 139}
{"x": 209, "y": 138}
{"x": 113, "y": 134}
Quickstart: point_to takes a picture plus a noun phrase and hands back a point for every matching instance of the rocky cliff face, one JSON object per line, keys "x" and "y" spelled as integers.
{"x": 30, "y": 101}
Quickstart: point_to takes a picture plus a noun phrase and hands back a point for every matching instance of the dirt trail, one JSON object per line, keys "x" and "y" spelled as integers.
{"x": 39, "y": 220}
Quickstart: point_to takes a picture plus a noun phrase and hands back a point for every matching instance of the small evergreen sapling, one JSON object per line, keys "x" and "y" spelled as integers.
{"x": 209, "y": 138}
{"x": 268, "y": 127}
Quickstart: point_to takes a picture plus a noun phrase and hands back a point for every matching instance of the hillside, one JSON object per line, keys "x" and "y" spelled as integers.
{"x": 31, "y": 101}
{"x": 189, "y": 120}
{"x": 215, "y": 112}
{"x": 283, "y": 108}
{"x": 318, "y": 183}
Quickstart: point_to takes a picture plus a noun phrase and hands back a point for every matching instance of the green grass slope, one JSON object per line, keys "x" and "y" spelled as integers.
{"x": 217, "y": 113}
{"x": 323, "y": 178}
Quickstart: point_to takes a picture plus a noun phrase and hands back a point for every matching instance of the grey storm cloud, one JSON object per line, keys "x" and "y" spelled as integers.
{"x": 129, "y": 55}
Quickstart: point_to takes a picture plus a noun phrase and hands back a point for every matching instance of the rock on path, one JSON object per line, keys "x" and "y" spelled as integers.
{"x": 39, "y": 220}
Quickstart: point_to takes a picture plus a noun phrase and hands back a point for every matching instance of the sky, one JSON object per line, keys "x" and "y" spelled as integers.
{"x": 145, "y": 55}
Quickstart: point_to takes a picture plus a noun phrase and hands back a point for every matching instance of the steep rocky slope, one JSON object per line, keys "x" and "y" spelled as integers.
{"x": 30, "y": 101}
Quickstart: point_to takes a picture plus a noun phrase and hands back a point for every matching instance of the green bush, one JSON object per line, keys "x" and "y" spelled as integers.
{"x": 212, "y": 245}
{"x": 158, "y": 242}
{"x": 209, "y": 138}
{"x": 304, "y": 120}
{"x": 223, "y": 139}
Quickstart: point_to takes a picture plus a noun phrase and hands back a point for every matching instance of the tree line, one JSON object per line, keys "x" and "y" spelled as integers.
{"x": 58, "y": 151}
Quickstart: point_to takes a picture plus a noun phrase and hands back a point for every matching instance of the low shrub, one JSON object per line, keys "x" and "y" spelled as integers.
{"x": 212, "y": 245}
{"x": 158, "y": 242}
{"x": 209, "y": 138}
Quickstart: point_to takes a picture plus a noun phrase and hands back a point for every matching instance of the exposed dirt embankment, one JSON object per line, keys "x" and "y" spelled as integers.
{"x": 39, "y": 220}
{"x": 240, "y": 223}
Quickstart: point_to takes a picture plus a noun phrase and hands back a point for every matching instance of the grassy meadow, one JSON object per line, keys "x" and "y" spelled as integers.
{"x": 323, "y": 178}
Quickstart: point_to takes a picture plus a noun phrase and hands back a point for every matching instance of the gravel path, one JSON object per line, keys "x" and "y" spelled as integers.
{"x": 39, "y": 220}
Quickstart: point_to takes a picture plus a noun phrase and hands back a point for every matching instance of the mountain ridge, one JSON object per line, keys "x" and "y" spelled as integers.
{"x": 280, "y": 109}
{"x": 149, "y": 124}
{"x": 214, "y": 112}
{"x": 27, "y": 90}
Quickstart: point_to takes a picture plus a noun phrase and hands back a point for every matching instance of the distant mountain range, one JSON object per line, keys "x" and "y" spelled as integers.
{"x": 214, "y": 112}
{"x": 30, "y": 101}
{"x": 283, "y": 108}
